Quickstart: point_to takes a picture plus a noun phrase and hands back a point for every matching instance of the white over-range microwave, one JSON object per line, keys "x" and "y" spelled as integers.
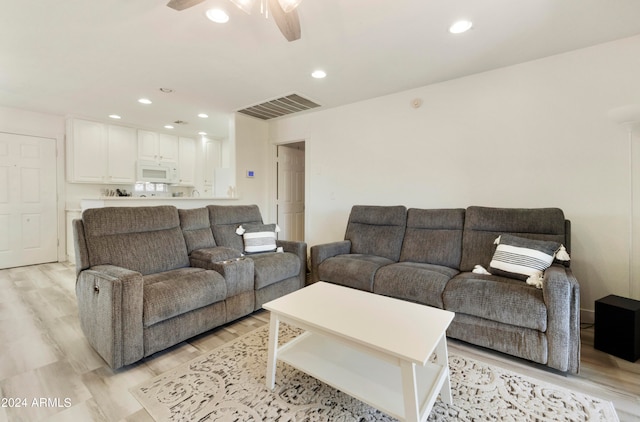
{"x": 151, "y": 171}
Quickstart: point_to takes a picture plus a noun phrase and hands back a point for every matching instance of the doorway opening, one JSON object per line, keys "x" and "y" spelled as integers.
{"x": 290, "y": 191}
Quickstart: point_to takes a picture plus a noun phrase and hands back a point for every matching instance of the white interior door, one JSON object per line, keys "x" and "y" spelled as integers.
{"x": 291, "y": 193}
{"x": 28, "y": 212}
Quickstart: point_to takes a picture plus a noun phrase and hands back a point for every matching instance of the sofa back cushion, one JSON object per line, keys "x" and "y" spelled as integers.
{"x": 433, "y": 236}
{"x": 143, "y": 239}
{"x": 377, "y": 230}
{"x": 225, "y": 219}
{"x": 483, "y": 225}
{"x": 196, "y": 229}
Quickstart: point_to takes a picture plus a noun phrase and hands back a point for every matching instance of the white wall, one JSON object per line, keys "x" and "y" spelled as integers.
{"x": 252, "y": 153}
{"x": 25, "y": 122}
{"x": 531, "y": 135}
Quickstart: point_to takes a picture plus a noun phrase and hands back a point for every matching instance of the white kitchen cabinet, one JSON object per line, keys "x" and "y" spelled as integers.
{"x": 100, "y": 153}
{"x": 87, "y": 151}
{"x": 147, "y": 145}
{"x": 168, "y": 149}
{"x": 121, "y": 146}
{"x": 160, "y": 147}
{"x": 187, "y": 161}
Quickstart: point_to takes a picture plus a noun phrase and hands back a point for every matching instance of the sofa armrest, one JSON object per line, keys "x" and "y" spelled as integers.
{"x": 321, "y": 252}
{"x": 110, "y": 309}
{"x": 203, "y": 258}
{"x": 80, "y": 246}
{"x": 299, "y": 249}
{"x": 561, "y": 293}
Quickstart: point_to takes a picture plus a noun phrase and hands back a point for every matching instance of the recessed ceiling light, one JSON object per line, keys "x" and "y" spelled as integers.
{"x": 217, "y": 15}
{"x": 144, "y": 101}
{"x": 203, "y": 115}
{"x": 202, "y": 133}
{"x": 115, "y": 116}
{"x": 319, "y": 74}
{"x": 460, "y": 26}
{"x": 168, "y": 127}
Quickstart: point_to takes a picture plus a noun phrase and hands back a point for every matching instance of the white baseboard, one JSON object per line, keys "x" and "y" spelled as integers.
{"x": 587, "y": 316}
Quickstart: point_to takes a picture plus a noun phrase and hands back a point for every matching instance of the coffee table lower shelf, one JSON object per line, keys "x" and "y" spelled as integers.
{"x": 375, "y": 380}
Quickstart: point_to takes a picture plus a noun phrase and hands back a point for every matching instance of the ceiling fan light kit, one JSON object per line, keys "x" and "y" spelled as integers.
{"x": 283, "y": 12}
{"x": 244, "y": 5}
{"x": 289, "y": 5}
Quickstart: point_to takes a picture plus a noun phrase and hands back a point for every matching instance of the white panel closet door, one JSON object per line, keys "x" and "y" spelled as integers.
{"x": 291, "y": 194}
{"x": 28, "y": 213}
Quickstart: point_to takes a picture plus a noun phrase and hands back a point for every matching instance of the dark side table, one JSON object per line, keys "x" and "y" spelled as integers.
{"x": 617, "y": 327}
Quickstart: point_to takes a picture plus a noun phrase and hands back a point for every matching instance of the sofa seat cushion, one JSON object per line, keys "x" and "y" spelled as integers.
{"x": 352, "y": 270}
{"x": 413, "y": 281}
{"x": 172, "y": 293}
{"x": 271, "y": 267}
{"x": 497, "y": 299}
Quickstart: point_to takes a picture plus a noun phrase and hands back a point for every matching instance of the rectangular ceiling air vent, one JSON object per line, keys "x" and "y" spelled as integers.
{"x": 279, "y": 107}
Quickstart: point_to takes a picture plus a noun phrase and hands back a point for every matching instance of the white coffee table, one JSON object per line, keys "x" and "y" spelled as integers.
{"x": 375, "y": 348}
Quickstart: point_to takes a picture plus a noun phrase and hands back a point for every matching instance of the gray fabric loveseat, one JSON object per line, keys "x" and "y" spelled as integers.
{"x": 444, "y": 257}
{"x": 151, "y": 277}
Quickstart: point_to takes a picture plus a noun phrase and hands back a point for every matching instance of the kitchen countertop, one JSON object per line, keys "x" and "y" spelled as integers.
{"x": 102, "y": 198}
{"x": 137, "y": 201}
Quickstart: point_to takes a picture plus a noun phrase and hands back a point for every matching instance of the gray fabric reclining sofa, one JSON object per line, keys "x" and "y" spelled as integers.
{"x": 151, "y": 277}
{"x": 428, "y": 256}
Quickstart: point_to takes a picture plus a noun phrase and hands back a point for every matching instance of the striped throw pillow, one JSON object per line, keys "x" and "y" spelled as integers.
{"x": 521, "y": 258}
{"x": 258, "y": 237}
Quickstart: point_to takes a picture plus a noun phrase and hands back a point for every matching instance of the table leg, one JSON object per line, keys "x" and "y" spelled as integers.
{"x": 442, "y": 359}
{"x": 410, "y": 392}
{"x": 272, "y": 355}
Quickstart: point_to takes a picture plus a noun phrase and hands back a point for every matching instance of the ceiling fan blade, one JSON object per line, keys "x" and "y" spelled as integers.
{"x": 183, "y": 4}
{"x": 289, "y": 23}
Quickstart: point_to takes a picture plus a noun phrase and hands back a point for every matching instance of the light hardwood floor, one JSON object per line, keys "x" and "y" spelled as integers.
{"x": 44, "y": 356}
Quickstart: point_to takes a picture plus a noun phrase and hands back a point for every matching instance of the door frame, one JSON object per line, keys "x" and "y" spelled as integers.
{"x": 273, "y": 181}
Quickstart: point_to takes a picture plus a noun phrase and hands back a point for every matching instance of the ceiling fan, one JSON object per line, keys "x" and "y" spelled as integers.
{"x": 283, "y": 11}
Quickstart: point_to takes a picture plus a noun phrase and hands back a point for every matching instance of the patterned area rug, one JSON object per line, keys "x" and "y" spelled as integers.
{"x": 228, "y": 384}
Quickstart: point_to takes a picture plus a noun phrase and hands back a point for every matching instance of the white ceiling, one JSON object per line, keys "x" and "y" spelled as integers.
{"x": 93, "y": 58}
